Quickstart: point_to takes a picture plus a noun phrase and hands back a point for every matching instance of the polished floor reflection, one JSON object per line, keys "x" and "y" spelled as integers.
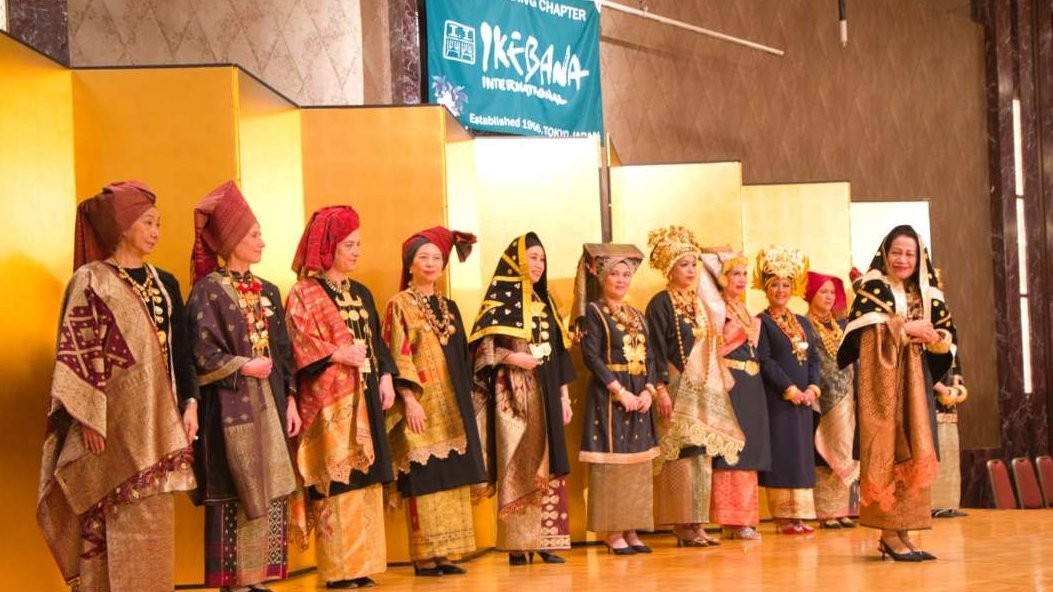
{"x": 989, "y": 550}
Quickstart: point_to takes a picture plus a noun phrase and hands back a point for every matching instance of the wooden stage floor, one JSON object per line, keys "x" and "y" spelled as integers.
{"x": 988, "y": 551}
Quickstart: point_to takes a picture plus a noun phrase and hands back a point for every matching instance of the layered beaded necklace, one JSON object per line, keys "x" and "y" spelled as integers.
{"x": 786, "y": 321}
{"x": 150, "y": 295}
{"x": 685, "y": 307}
{"x": 442, "y": 324}
{"x": 829, "y": 331}
{"x": 255, "y": 308}
{"x": 742, "y": 315}
{"x": 356, "y": 318}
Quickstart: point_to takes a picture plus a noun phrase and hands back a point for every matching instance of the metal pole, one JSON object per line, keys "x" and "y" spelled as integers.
{"x": 688, "y": 26}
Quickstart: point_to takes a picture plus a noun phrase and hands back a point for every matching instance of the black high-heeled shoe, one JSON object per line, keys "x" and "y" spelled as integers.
{"x": 619, "y": 550}
{"x": 641, "y": 548}
{"x": 518, "y": 558}
{"x": 549, "y": 557}
{"x": 885, "y": 549}
{"x": 429, "y": 572}
{"x": 924, "y": 555}
{"x": 449, "y": 569}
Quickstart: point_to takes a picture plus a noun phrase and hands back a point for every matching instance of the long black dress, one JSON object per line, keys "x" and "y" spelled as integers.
{"x": 792, "y": 426}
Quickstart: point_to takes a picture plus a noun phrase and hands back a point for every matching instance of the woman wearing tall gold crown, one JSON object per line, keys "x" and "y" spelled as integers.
{"x": 522, "y": 368}
{"x": 432, "y": 426}
{"x": 618, "y": 440}
{"x": 117, "y": 442}
{"x": 790, "y": 367}
{"x": 835, "y": 469}
{"x": 901, "y": 334}
{"x": 697, "y": 418}
{"x": 344, "y": 383}
{"x": 735, "y": 501}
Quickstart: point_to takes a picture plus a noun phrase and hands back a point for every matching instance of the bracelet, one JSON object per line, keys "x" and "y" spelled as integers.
{"x": 651, "y": 389}
{"x": 190, "y": 401}
{"x": 790, "y": 393}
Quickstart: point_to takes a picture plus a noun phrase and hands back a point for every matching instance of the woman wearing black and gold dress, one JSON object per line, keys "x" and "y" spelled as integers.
{"x": 618, "y": 440}
{"x": 522, "y": 367}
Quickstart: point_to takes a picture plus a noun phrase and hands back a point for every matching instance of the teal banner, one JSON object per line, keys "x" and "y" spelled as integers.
{"x": 527, "y": 67}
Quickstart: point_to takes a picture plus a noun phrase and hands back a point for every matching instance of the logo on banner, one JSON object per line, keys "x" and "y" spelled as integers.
{"x": 458, "y": 43}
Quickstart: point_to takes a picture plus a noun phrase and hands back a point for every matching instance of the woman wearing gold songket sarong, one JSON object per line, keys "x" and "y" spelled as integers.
{"x": 116, "y": 445}
{"x": 790, "y": 367}
{"x": 344, "y": 384}
{"x": 735, "y": 503}
{"x": 618, "y": 440}
{"x": 521, "y": 370}
{"x": 697, "y": 418}
{"x": 835, "y": 468}
{"x": 434, "y": 437}
{"x": 248, "y": 406}
{"x": 901, "y": 334}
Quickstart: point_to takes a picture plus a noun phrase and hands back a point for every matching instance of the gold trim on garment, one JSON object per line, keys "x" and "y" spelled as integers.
{"x": 750, "y": 367}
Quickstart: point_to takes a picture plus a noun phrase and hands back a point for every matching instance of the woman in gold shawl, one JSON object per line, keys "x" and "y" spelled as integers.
{"x": 697, "y": 418}
{"x": 116, "y": 447}
{"x": 902, "y": 336}
{"x": 835, "y": 469}
{"x": 432, "y": 426}
{"x": 345, "y": 382}
{"x": 521, "y": 370}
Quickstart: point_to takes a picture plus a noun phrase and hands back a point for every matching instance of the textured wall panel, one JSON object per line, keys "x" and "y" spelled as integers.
{"x": 308, "y": 50}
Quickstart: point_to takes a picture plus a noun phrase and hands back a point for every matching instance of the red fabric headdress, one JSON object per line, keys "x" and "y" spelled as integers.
{"x": 221, "y": 220}
{"x": 328, "y": 226}
{"x": 102, "y": 219}
{"x": 441, "y": 237}
{"x": 816, "y": 281}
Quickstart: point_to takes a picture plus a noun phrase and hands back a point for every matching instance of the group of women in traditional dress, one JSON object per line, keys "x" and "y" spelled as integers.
{"x": 285, "y": 420}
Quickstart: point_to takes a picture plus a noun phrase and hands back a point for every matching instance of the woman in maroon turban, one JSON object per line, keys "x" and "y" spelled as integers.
{"x": 243, "y": 359}
{"x": 117, "y": 444}
{"x": 344, "y": 377}
{"x": 432, "y": 431}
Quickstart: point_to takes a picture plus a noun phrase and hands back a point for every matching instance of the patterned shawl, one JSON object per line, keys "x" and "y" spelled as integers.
{"x": 110, "y": 376}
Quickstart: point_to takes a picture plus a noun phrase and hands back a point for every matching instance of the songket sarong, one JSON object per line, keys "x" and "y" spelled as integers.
{"x": 440, "y": 524}
{"x": 620, "y": 497}
{"x": 350, "y": 534}
{"x": 682, "y": 491}
{"x": 735, "y": 498}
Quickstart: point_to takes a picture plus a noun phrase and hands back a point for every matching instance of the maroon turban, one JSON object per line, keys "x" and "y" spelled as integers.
{"x": 816, "y": 281}
{"x": 102, "y": 219}
{"x": 221, "y": 220}
{"x": 328, "y": 226}
{"x": 441, "y": 237}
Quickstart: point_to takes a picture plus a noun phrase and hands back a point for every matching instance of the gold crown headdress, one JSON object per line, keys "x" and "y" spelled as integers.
{"x": 781, "y": 262}
{"x": 668, "y": 244}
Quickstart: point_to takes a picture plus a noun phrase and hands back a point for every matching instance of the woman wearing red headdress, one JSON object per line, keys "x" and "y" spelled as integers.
{"x": 344, "y": 383}
{"x": 433, "y": 433}
{"x": 241, "y": 348}
{"x": 116, "y": 445}
{"x": 835, "y": 469}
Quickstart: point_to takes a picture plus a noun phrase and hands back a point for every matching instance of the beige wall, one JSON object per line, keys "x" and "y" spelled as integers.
{"x": 310, "y": 51}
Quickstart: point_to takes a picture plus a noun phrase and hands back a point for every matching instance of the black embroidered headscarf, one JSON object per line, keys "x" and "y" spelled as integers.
{"x": 506, "y": 305}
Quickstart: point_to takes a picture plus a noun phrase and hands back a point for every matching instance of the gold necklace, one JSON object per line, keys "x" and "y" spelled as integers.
{"x": 742, "y": 315}
{"x": 830, "y": 335}
{"x": 634, "y": 341}
{"x": 356, "y": 319}
{"x": 689, "y": 313}
{"x": 443, "y": 327}
{"x": 150, "y": 296}
{"x": 786, "y": 321}
{"x": 254, "y": 308}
